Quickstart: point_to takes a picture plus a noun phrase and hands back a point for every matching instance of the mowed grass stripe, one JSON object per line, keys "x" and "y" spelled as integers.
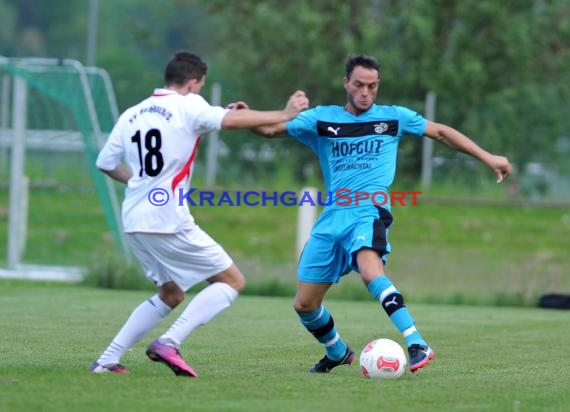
{"x": 255, "y": 357}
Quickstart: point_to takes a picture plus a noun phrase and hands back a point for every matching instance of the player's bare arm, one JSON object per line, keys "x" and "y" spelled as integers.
{"x": 500, "y": 165}
{"x": 238, "y": 106}
{"x": 235, "y": 119}
{"x": 279, "y": 129}
{"x": 121, "y": 173}
{"x": 272, "y": 130}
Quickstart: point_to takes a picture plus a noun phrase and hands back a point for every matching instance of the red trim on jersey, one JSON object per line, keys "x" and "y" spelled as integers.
{"x": 185, "y": 171}
{"x": 161, "y": 94}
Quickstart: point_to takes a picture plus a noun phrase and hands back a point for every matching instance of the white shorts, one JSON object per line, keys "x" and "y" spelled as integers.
{"x": 186, "y": 258}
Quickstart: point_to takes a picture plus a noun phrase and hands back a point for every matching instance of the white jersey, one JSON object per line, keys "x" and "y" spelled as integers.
{"x": 158, "y": 139}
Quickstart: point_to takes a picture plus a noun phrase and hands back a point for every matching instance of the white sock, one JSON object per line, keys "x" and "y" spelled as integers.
{"x": 203, "y": 308}
{"x": 143, "y": 319}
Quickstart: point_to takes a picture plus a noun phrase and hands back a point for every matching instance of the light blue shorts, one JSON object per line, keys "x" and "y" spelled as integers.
{"x": 336, "y": 238}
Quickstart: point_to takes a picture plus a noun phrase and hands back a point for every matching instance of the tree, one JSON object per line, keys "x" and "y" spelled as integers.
{"x": 499, "y": 68}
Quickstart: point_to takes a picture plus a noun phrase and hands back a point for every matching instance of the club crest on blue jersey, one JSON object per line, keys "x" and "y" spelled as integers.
{"x": 380, "y": 128}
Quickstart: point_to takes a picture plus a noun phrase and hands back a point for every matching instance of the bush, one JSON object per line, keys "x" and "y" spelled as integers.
{"x": 114, "y": 272}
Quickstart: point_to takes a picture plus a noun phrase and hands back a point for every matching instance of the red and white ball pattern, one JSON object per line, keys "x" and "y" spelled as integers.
{"x": 383, "y": 359}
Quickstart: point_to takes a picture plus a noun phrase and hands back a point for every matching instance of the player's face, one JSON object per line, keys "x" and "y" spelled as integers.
{"x": 362, "y": 88}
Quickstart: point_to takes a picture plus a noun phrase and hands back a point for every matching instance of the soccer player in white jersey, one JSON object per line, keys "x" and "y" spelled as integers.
{"x": 158, "y": 139}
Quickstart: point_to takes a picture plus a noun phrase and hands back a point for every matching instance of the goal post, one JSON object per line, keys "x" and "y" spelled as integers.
{"x": 61, "y": 113}
{"x": 16, "y": 211}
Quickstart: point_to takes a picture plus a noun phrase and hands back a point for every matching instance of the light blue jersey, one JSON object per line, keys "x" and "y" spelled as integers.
{"x": 357, "y": 153}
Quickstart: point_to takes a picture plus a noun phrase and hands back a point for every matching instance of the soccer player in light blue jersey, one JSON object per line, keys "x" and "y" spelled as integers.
{"x": 357, "y": 146}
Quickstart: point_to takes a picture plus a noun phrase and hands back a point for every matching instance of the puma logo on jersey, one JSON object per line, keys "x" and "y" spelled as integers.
{"x": 391, "y": 302}
{"x": 333, "y": 130}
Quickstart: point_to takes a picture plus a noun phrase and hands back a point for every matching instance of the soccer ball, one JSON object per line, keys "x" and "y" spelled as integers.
{"x": 383, "y": 359}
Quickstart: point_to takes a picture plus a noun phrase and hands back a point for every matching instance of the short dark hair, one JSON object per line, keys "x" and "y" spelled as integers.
{"x": 368, "y": 62}
{"x": 184, "y": 66}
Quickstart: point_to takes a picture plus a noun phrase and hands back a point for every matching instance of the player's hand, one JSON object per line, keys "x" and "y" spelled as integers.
{"x": 500, "y": 166}
{"x": 237, "y": 106}
{"x": 297, "y": 103}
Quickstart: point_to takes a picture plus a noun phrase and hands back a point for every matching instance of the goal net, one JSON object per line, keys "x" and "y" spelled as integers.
{"x": 57, "y": 211}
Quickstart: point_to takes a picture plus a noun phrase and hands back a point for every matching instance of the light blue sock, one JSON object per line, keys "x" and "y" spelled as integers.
{"x": 321, "y": 325}
{"x": 383, "y": 290}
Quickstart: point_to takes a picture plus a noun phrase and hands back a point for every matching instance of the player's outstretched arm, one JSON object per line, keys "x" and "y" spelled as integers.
{"x": 272, "y": 130}
{"x": 247, "y": 119}
{"x": 500, "y": 165}
{"x": 276, "y": 129}
{"x": 238, "y": 106}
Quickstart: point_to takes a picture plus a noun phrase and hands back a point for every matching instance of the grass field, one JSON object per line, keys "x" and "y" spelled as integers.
{"x": 452, "y": 253}
{"x": 493, "y": 254}
{"x": 255, "y": 356}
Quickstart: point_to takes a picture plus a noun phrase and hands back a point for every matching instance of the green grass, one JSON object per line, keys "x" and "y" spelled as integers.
{"x": 481, "y": 252}
{"x": 255, "y": 356}
{"x": 449, "y": 253}
{"x": 65, "y": 226}
{"x": 495, "y": 254}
